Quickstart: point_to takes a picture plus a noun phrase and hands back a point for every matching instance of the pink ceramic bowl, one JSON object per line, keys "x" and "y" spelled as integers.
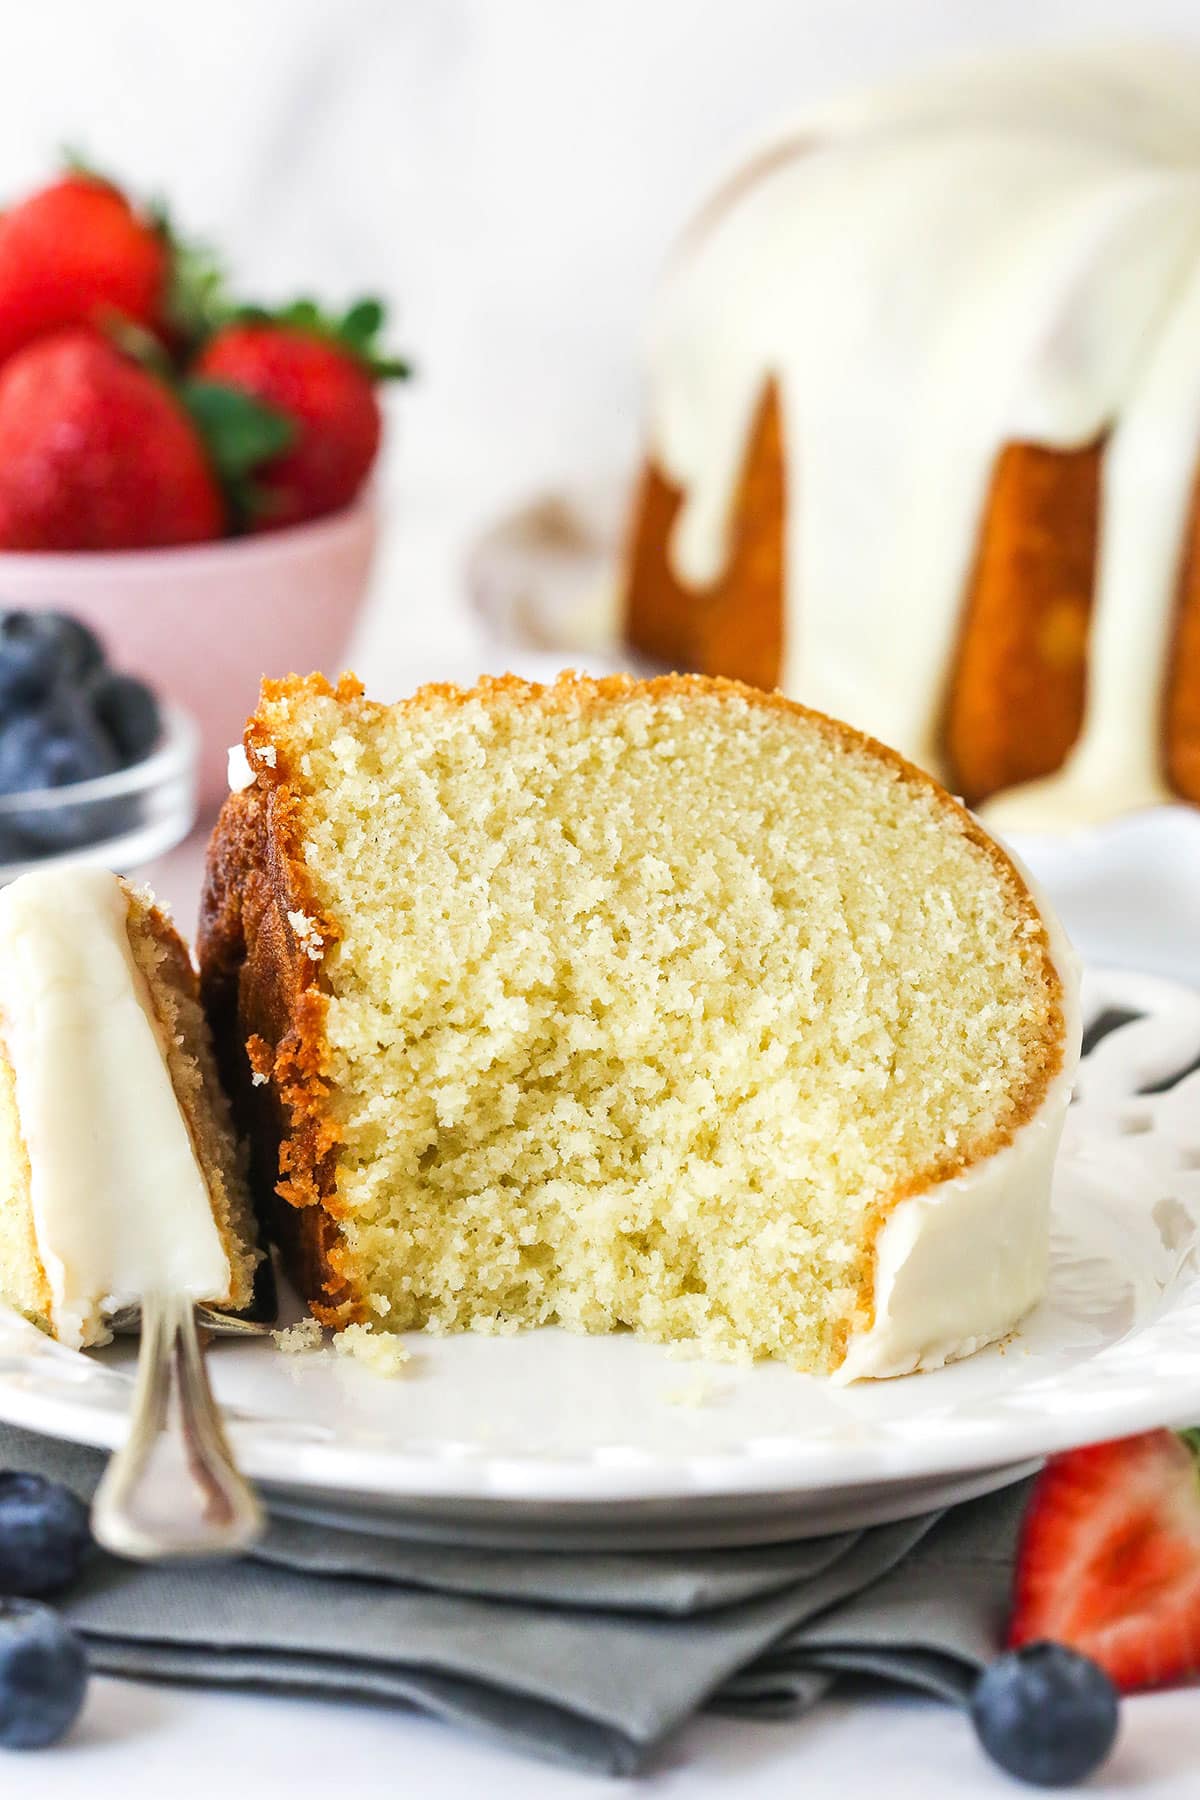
{"x": 205, "y": 622}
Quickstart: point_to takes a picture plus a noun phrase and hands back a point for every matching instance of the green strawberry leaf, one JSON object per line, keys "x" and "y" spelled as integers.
{"x": 197, "y": 303}
{"x": 77, "y": 162}
{"x": 240, "y": 434}
{"x": 362, "y": 323}
{"x": 356, "y": 330}
{"x": 134, "y": 341}
{"x": 197, "y": 300}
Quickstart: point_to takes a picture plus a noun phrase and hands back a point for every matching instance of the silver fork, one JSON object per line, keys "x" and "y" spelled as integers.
{"x": 173, "y": 1489}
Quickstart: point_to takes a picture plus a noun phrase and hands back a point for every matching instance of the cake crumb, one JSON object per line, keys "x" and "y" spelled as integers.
{"x": 701, "y": 1390}
{"x": 306, "y": 1334}
{"x": 383, "y": 1352}
{"x": 308, "y": 935}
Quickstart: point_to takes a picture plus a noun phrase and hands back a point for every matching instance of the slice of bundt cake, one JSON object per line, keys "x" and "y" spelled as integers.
{"x": 119, "y": 1169}
{"x": 667, "y": 1005}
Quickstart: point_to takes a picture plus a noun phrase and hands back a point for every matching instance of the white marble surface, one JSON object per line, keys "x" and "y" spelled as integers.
{"x": 143, "y": 1743}
{"x": 509, "y": 171}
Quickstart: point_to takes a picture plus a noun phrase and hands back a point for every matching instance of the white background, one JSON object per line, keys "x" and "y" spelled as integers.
{"x": 509, "y": 172}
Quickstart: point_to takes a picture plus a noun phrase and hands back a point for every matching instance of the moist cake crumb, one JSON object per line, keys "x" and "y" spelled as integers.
{"x": 383, "y": 1352}
{"x": 293, "y": 1340}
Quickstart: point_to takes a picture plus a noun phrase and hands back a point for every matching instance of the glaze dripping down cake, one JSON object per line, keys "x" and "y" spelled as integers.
{"x": 666, "y": 1005}
{"x": 119, "y": 1168}
{"x": 924, "y": 429}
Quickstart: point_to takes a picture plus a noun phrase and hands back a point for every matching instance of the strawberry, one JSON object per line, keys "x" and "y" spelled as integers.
{"x": 320, "y": 374}
{"x": 98, "y": 454}
{"x": 1109, "y": 1558}
{"x": 76, "y": 253}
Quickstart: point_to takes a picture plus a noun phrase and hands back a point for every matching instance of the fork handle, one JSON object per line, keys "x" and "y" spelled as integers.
{"x": 172, "y": 1489}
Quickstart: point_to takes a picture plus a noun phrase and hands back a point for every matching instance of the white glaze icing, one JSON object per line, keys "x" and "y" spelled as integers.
{"x": 120, "y": 1204}
{"x": 240, "y": 774}
{"x": 998, "y": 253}
{"x": 960, "y": 1265}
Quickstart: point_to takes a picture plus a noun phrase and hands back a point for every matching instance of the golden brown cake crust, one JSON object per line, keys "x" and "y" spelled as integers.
{"x": 267, "y": 1014}
{"x": 734, "y": 628}
{"x": 1181, "y": 713}
{"x": 30, "y": 1294}
{"x": 172, "y": 984}
{"x": 267, "y": 1007}
{"x": 1015, "y": 698}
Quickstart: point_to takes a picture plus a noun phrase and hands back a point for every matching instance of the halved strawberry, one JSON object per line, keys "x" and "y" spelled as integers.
{"x": 1109, "y": 1558}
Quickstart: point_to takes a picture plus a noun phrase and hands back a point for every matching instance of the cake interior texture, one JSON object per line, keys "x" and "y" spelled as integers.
{"x": 644, "y": 1003}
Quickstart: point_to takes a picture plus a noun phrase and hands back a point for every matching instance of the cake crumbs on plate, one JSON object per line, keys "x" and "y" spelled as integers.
{"x": 383, "y": 1352}
{"x": 306, "y": 1334}
{"x": 703, "y": 1388}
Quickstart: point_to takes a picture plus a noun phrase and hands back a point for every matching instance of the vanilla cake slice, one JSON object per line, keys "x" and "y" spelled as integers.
{"x": 119, "y": 1168}
{"x": 664, "y": 1005}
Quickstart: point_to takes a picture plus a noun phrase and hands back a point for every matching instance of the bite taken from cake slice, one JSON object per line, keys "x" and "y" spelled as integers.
{"x": 120, "y": 1173}
{"x": 665, "y": 1005}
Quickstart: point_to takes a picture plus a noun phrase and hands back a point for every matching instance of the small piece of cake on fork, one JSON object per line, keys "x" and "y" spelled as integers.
{"x": 119, "y": 1168}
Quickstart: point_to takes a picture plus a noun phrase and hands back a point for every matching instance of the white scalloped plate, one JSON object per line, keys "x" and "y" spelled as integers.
{"x": 591, "y": 1439}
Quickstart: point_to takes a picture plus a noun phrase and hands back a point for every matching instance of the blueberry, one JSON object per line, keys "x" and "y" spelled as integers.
{"x": 44, "y": 1534}
{"x": 128, "y": 712}
{"x": 43, "y": 1676}
{"x": 1046, "y": 1714}
{"x": 81, "y": 653}
{"x": 28, "y": 660}
{"x": 53, "y": 748}
{"x": 38, "y": 650}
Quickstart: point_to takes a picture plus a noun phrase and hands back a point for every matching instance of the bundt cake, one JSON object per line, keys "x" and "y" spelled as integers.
{"x": 119, "y": 1170}
{"x": 924, "y": 423}
{"x": 667, "y": 1005}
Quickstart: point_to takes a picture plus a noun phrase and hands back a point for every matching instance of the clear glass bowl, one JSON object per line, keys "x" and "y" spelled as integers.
{"x": 119, "y": 821}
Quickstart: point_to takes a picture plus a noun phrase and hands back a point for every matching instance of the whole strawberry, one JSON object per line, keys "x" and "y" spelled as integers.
{"x": 321, "y": 376}
{"x": 98, "y": 454}
{"x": 76, "y": 253}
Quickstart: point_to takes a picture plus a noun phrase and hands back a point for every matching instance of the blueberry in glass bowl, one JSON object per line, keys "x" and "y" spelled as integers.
{"x": 90, "y": 761}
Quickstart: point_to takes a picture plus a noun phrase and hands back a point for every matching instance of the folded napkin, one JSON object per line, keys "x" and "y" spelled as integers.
{"x": 590, "y": 1658}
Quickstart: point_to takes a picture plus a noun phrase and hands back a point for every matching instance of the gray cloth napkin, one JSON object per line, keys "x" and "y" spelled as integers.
{"x": 593, "y": 1659}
